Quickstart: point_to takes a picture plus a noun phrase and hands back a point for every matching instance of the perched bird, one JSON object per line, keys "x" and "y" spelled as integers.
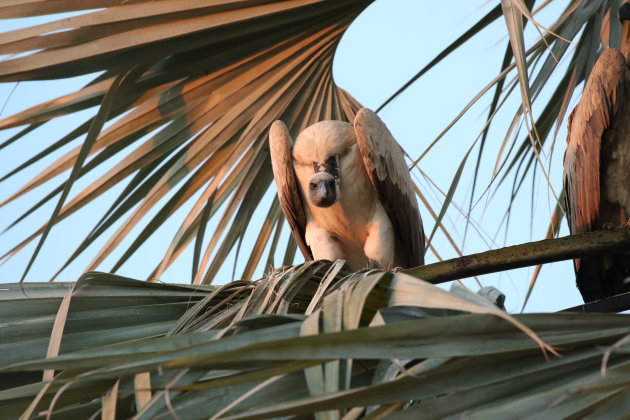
{"x": 347, "y": 194}
{"x": 597, "y": 166}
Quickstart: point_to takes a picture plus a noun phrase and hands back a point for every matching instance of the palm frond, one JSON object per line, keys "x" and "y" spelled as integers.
{"x": 217, "y": 75}
{"x": 312, "y": 338}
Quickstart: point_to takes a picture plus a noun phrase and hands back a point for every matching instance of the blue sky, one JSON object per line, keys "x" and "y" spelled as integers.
{"x": 383, "y": 48}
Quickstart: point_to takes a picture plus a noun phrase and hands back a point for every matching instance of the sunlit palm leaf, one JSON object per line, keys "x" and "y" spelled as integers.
{"x": 219, "y": 74}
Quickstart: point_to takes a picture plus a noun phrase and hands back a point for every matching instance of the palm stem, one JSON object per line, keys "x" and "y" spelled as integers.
{"x": 524, "y": 255}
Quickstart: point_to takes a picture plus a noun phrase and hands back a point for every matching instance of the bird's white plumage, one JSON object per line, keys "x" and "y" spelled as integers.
{"x": 356, "y": 224}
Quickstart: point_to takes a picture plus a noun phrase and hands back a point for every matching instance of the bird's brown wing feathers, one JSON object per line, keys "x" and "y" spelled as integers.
{"x": 596, "y": 125}
{"x": 280, "y": 144}
{"x": 385, "y": 164}
{"x": 589, "y": 123}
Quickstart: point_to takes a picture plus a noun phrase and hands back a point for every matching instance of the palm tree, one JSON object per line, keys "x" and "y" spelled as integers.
{"x": 188, "y": 90}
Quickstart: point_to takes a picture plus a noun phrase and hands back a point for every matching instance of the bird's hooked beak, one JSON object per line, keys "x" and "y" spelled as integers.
{"x": 624, "y": 18}
{"x": 322, "y": 187}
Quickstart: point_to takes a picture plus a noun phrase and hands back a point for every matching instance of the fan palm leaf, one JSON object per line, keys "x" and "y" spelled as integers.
{"x": 205, "y": 80}
{"x": 208, "y": 118}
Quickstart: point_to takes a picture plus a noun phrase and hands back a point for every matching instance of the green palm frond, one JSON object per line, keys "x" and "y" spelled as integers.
{"x": 312, "y": 338}
{"x": 575, "y": 40}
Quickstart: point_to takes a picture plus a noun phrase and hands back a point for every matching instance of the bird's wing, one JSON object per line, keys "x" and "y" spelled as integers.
{"x": 589, "y": 123}
{"x": 288, "y": 190}
{"x": 385, "y": 164}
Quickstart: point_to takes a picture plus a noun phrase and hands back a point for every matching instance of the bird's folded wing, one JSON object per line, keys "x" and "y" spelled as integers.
{"x": 385, "y": 164}
{"x": 288, "y": 190}
{"x": 589, "y": 123}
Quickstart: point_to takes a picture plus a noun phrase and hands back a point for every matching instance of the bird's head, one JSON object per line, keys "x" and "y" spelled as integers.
{"x": 322, "y": 187}
{"x": 317, "y": 152}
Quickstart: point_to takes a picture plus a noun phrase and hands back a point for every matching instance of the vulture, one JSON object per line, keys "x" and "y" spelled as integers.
{"x": 347, "y": 194}
{"x": 597, "y": 167}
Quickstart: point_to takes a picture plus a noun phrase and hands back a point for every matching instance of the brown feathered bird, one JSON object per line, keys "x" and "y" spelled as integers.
{"x": 597, "y": 166}
{"x": 347, "y": 194}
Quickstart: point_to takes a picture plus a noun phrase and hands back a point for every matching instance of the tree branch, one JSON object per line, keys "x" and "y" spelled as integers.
{"x": 617, "y": 303}
{"x": 531, "y": 253}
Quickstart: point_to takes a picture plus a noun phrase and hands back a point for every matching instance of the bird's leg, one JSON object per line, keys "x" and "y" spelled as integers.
{"x": 375, "y": 265}
{"x": 379, "y": 244}
{"x": 323, "y": 244}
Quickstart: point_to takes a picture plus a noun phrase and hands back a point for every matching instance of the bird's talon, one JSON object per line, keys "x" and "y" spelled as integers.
{"x": 372, "y": 264}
